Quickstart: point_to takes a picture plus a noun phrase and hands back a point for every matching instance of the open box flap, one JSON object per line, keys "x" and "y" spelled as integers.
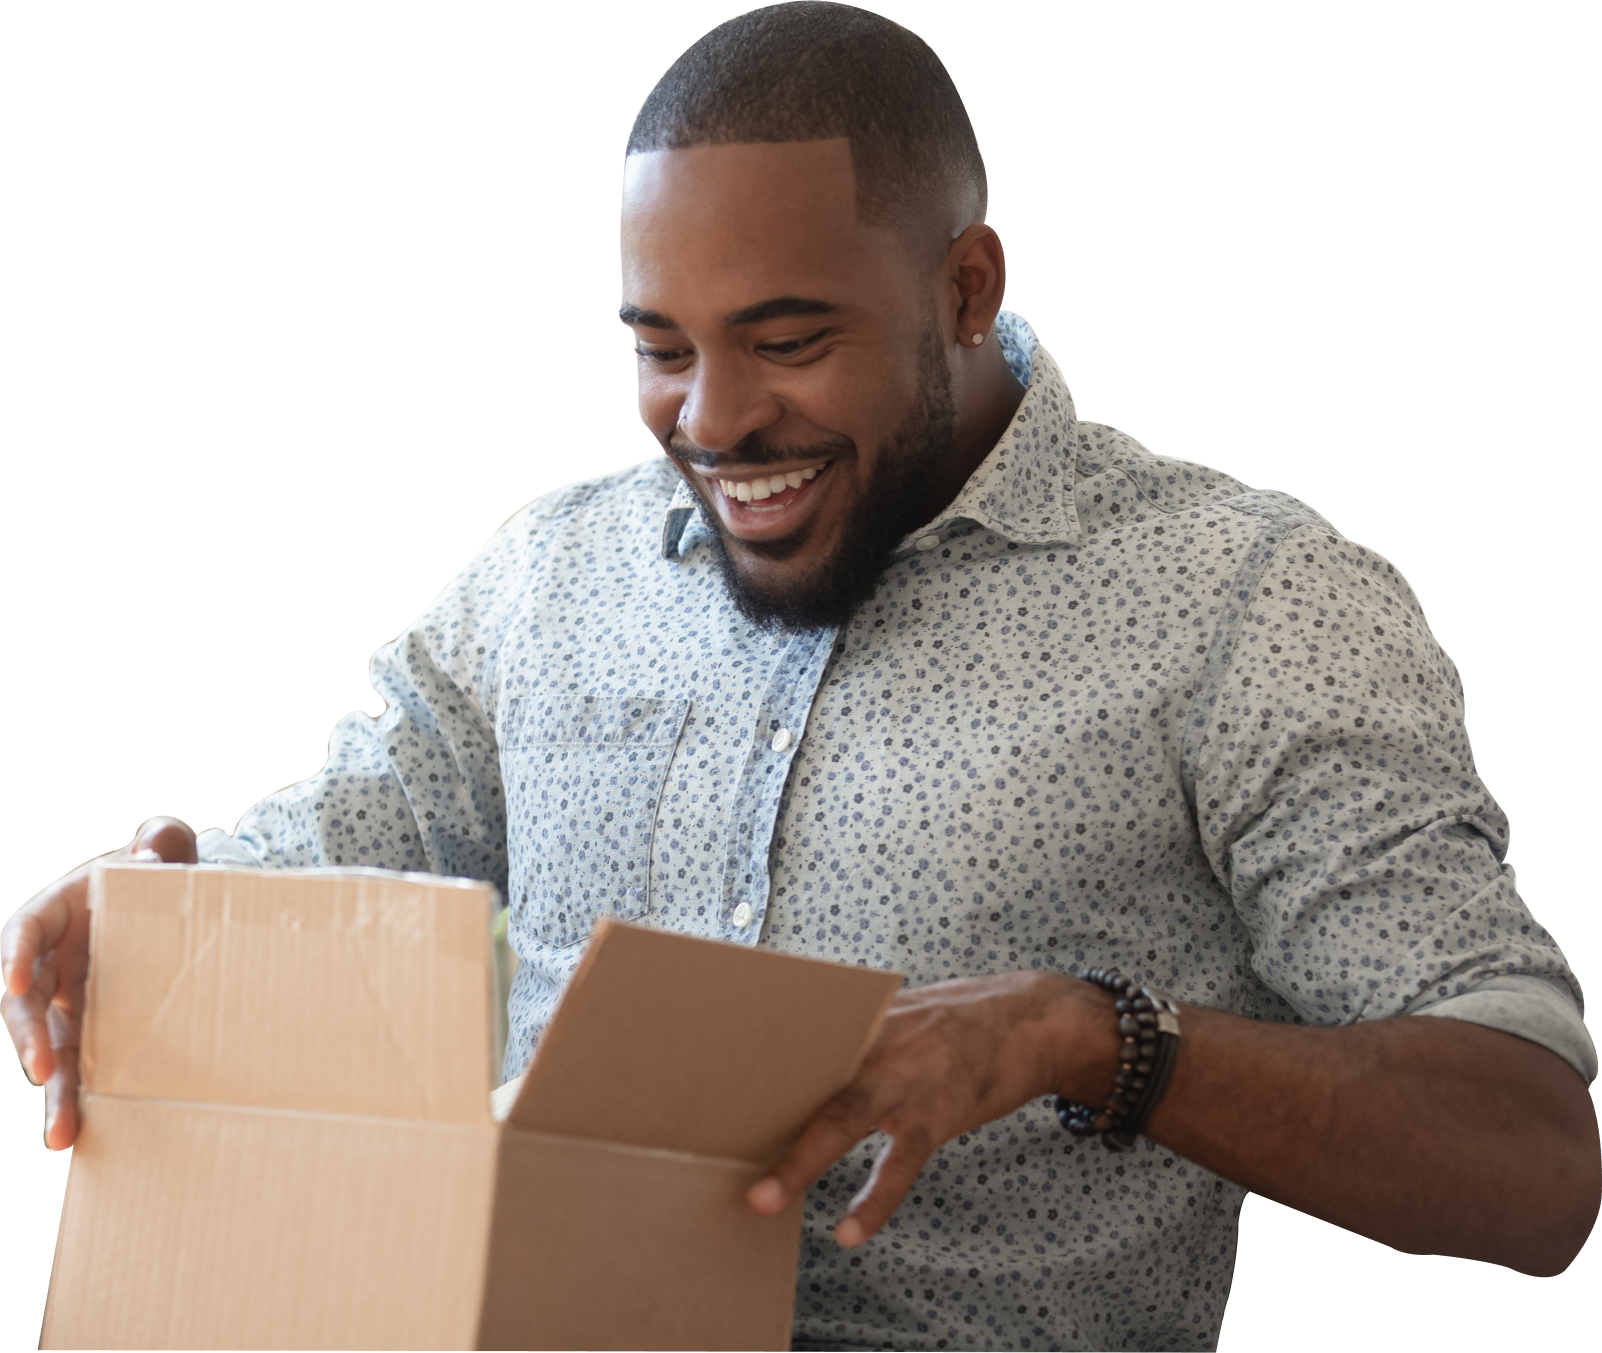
{"x": 664, "y": 1040}
{"x": 339, "y": 991}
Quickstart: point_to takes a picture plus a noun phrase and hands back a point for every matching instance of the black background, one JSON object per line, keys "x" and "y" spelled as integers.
{"x": 313, "y": 311}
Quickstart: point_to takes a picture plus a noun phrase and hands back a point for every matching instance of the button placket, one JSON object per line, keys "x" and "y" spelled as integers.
{"x": 787, "y": 703}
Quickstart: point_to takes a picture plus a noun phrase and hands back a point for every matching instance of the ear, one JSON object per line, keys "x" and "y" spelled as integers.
{"x": 976, "y": 282}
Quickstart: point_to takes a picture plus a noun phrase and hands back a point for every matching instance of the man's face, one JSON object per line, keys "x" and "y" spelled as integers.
{"x": 790, "y": 363}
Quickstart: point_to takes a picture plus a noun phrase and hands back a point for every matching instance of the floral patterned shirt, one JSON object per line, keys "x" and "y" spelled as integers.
{"x": 1108, "y": 708}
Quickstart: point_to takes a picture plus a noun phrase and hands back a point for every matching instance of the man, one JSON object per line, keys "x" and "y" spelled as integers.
{"x": 891, "y": 660}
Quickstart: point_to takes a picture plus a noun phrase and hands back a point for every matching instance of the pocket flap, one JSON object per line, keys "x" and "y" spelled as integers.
{"x": 594, "y": 720}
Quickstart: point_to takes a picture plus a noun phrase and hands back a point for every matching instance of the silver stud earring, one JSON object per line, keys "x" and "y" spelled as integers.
{"x": 978, "y": 339}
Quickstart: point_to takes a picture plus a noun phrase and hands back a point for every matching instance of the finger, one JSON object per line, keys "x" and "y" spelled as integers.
{"x": 37, "y": 927}
{"x": 30, "y": 1034}
{"x": 835, "y": 1129}
{"x": 898, "y": 1165}
{"x": 171, "y": 839}
{"x": 61, "y": 1102}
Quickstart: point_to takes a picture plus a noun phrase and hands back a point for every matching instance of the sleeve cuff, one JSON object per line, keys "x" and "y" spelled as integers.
{"x": 1528, "y": 1007}
{"x": 215, "y": 846}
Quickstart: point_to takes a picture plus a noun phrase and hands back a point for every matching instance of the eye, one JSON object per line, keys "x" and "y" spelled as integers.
{"x": 790, "y": 347}
{"x": 660, "y": 356}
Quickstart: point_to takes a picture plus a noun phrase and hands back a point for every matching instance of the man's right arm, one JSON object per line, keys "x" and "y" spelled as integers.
{"x": 418, "y": 788}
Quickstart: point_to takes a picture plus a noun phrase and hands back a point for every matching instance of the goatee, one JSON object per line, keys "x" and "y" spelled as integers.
{"x": 897, "y": 500}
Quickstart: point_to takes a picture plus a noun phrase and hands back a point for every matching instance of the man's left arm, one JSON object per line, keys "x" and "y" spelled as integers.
{"x": 1337, "y": 799}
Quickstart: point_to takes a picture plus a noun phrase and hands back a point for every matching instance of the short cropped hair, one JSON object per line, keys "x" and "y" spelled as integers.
{"x": 810, "y": 71}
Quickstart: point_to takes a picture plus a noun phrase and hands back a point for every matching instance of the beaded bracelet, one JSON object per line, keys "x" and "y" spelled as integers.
{"x": 1149, "y": 1023}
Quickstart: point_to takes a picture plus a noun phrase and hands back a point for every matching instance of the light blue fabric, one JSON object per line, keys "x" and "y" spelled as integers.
{"x": 1118, "y": 709}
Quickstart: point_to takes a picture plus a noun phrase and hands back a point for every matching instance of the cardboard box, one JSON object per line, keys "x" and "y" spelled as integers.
{"x": 287, "y": 1140}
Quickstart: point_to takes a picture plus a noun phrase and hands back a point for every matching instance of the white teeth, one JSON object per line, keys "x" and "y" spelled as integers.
{"x": 755, "y": 490}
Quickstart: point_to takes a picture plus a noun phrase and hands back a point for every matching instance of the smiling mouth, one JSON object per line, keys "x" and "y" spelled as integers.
{"x": 769, "y": 493}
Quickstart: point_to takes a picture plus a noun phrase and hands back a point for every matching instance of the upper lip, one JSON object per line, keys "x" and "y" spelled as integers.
{"x": 740, "y": 474}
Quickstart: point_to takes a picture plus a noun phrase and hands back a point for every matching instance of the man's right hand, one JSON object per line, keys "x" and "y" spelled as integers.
{"x": 44, "y": 956}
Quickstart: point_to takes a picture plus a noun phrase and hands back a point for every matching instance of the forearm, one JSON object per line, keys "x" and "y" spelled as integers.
{"x": 1432, "y": 1136}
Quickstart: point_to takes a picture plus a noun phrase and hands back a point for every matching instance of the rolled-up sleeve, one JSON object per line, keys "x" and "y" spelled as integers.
{"x": 418, "y": 787}
{"x": 1338, "y": 802}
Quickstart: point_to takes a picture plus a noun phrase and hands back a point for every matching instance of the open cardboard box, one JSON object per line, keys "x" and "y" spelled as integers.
{"x": 287, "y": 1140}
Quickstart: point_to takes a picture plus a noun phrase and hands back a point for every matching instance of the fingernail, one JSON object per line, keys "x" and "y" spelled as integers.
{"x": 766, "y": 1195}
{"x": 849, "y": 1233}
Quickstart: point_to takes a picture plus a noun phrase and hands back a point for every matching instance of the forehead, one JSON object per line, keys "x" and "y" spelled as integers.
{"x": 714, "y": 225}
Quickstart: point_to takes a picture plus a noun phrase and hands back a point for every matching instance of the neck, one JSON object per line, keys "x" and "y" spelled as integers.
{"x": 987, "y": 395}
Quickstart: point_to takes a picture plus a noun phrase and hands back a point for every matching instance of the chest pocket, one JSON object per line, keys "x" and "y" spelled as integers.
{"x": 584, "y": 775}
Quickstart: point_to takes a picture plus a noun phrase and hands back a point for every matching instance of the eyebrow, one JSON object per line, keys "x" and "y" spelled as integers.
{"x": 780, "y": 307}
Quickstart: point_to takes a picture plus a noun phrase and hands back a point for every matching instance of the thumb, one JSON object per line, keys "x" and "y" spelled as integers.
{"x": 171, "y": 841}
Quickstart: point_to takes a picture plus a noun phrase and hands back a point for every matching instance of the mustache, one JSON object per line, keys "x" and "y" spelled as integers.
{"x": 755, "y": 449}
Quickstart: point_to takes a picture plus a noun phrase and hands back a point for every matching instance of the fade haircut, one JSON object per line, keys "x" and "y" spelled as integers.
{"x": 811, "y": 71}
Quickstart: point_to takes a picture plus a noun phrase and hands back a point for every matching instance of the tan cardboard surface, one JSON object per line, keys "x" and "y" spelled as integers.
{"x": 286, "y": 1138}
{"x": 364, "y": 993}
{"x": 602, "y": 1246}
{"x": 683, "y": 1044}
{"x": 188, "y": 1226}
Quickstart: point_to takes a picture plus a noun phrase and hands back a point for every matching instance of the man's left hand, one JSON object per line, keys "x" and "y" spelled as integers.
{"x": 950, "y": 1057}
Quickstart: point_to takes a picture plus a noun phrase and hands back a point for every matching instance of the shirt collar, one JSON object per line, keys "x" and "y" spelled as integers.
{"x": 1023, "y": 490}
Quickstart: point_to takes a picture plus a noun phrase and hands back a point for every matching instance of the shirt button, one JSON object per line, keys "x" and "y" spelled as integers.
{"x": 742, "y": 916}
{"x": 927, "y": 542}
{"x": 782, "y": 741}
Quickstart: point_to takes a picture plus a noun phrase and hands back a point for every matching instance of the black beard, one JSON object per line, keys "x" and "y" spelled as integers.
{"x": 897, "y": 500}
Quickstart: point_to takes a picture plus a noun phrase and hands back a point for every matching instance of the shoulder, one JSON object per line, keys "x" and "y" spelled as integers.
{"x": 1175, "y": 487}
{"x": 639, "y": 493}
{"x": 646, "y": 484}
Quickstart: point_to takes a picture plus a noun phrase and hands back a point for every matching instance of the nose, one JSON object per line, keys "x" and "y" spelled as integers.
{"x": 724, "y": 405}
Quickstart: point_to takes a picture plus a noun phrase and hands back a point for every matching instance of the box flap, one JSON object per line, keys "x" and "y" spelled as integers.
{"x": 596, "y": 1245}
{"x": 357, "y": 991}
{"x": 685, "y": 1044}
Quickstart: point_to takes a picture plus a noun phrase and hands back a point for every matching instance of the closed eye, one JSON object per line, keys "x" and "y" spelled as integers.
{"x": 661, "y": 356}
{"x": 789, "y": 347}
